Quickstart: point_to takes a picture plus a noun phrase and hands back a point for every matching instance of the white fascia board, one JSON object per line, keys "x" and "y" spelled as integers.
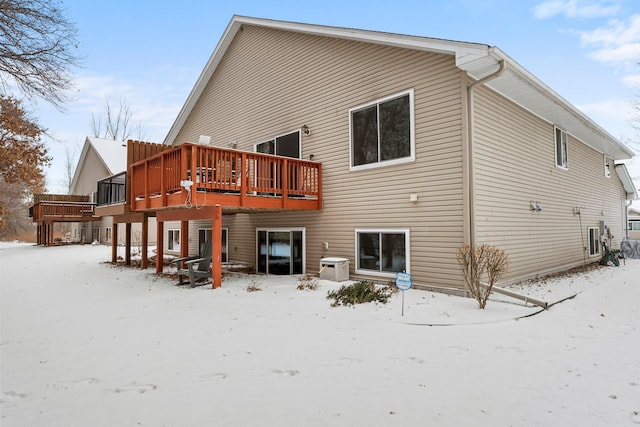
{"x": 627, "y": 182}
{"x": 522, "y": 87}
{"x": 450, "y": 47}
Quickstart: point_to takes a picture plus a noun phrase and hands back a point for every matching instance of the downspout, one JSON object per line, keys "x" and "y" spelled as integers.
{"x": 470, "y": 134}
{"x": 625, "y": 226}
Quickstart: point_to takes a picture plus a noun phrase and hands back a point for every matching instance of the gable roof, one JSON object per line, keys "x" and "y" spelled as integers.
{"x": 627, "y": 183}
{"x": 478, "y": 60}
{"x": 112, "y": 153}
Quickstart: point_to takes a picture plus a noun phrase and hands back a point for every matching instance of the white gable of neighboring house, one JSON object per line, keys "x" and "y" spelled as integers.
{"x": 111, "y": 156}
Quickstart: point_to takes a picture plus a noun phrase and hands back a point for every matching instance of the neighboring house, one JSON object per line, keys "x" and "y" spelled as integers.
{"x": 96, "y": 191}
{"x": 405, "y": 149}
{"x": 100, "y": 159}
{"x": 634, "y": 224}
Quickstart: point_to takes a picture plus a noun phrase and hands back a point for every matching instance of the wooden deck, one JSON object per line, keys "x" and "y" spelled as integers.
{"x": 63, "y": 211}
{"x": 48, "y": 209}
{"x": 193, "y": 175}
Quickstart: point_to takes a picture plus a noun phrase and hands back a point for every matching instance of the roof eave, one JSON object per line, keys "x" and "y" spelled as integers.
{"x": 478, "y": 60}
{"x": 523, "y": 88}
{"x": 465, "y": 51}
{"x": 627, "y": 182}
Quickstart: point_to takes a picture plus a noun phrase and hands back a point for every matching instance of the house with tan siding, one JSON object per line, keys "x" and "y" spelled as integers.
{"x": 421, "y": 145}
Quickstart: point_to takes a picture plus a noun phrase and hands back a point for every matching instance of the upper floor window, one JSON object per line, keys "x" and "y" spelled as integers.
{"x": 608, "y": 164}
{"x": 381, "y": 132}
{"x": 287, "y": 145}
{"x": 561, "y": 149}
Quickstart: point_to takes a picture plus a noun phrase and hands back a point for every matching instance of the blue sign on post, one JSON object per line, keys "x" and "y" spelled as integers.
{"x": 403, "y": 281}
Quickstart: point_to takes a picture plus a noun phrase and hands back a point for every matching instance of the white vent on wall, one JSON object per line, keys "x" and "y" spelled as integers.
{"x": 204, "y": 140}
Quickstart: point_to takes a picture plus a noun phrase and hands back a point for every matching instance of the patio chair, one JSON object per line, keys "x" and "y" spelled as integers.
{"x": 197, "y": 268}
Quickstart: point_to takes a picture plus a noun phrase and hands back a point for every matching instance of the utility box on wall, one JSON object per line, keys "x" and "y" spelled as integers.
{"x": 334, "y": 269}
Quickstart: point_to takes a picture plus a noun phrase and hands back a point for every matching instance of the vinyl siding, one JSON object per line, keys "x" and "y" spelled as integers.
{"x": 92, "y": 170}
{"x": 515, "y": 164}
{"x": 270, "y": 82}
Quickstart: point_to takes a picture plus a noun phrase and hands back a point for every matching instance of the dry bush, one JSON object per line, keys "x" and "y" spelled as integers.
{"x": 254, "y": 286}
{"x": 483, "y": 262}
{"x": 307, "y": 282}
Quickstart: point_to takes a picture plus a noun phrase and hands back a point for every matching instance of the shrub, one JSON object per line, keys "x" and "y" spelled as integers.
{"x": 482, "y": 262}
{"x": 307, "y": 282}
{"x": 254, "y": 286}
{"x": 358, "y": 293}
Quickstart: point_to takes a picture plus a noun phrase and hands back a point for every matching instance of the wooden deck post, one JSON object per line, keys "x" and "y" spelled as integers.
{"x": 184, "y": 239}
{"x": 114, "y": 243}
{"x": 216, "y": 246}
{"x": 127, "y": 244}
{"x": 144, "y": 262}
{"x": 160, "y": 247}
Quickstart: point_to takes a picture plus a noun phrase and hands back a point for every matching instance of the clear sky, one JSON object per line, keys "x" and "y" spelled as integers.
{"x": 150, "y": 52}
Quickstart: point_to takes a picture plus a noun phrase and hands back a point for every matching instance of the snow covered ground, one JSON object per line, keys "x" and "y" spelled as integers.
{"x": 84, "y": 343}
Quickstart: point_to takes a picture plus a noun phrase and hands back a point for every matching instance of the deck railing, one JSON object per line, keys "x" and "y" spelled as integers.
{"x": 62, "y": 210}
{"x": 112, "y": 190}
{"x": 213, "y": 175}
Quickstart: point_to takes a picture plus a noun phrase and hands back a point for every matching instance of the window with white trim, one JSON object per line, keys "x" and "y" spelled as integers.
{"x": 608, "y": 165}
{"x": 107, "y": 234}
{"x": 205, "y": 234}
{"x": 382, "y": 252}
{"x": 173, "y": 241}
{"x": 594, "y": 241}
{"x": 562, "y": 151}
{"x": 287, "y": 145}
{"x": 382, "y": 132}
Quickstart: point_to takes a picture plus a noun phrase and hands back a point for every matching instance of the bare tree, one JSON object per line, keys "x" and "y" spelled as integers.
{"x": 116, "y": 123}
{"x": 37, "y": 46}
{"x": 69, "y": 165}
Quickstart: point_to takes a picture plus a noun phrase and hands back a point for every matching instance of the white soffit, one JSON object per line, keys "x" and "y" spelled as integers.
{"x": 627, "y": 182}
{"x": 526, "y": 90}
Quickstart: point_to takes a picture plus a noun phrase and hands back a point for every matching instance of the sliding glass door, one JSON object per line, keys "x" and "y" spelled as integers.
{"x": 280, "y": 251}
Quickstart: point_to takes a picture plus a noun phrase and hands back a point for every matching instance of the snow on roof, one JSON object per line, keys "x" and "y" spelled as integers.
{"x": 113, "y": 153}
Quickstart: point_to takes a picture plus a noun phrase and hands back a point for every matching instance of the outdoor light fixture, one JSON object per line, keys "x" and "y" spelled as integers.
{"x": 535, "y": 206}
{"x": 311, "y": 156}
{"x": 306, "y": 130}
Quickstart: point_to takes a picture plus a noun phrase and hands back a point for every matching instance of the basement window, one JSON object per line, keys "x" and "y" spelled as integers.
{"x": 594, "y": 241}
{"x": 382, "y": 252}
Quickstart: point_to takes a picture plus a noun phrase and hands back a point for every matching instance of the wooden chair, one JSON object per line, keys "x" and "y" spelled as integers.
{"x": 197, "y": 268}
